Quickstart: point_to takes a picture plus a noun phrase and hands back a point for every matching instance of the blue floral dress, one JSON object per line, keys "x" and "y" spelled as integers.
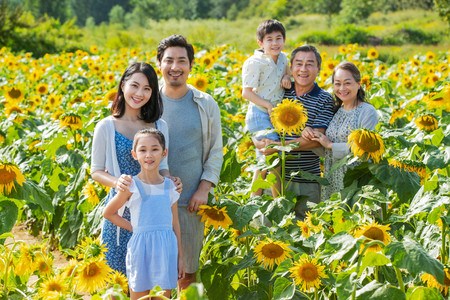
{"x": 116, "y": 253}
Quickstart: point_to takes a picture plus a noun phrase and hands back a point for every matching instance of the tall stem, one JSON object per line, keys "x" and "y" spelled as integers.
{"x": 399, "y": 279}
{"x": 283, "y": 166}
{"x": 443, "y": 247}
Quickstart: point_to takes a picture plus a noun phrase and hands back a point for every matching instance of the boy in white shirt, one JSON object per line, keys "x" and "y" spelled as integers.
{"x": 264, "y": 75}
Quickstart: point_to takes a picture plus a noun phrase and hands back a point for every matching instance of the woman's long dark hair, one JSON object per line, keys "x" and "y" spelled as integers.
{"x": 153, "y": 109}
{"x": 349, "y": 66}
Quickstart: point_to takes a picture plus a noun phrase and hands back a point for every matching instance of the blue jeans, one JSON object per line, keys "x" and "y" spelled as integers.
{"x": 257, "y": 120}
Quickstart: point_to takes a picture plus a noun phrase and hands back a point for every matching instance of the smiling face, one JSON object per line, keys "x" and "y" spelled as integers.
{"x": 136, "y": 91}
{"x": 345, "y": 87}
{"x": 175, "y": 66}
{"x": 149, "y": 152}
{"x": 304, "y": 69}
{"x": 272, "y": 44}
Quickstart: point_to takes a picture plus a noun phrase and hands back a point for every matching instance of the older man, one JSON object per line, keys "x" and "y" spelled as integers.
{"x": 305, "y": 66}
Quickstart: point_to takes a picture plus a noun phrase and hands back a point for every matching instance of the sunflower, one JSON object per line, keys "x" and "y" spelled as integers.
{"x": 372, "y": 53}
{"x": 289, "y": 117}
{"x": 365, "y": 80}
{"x": 91, "y": 194}
{"x": 431, "y": 281}
{"x": 11, "y": 108}
{"x": 307, "y": 273}
{"x": 207, "y": 61}
{"x": 44, "y": 265}
{"x": 314, "y": 222}
{"x": 9, "y": 173}
{"x": 110, "y": 77}
{"x": 14, "y": 94}
{"x": 118, "y": 278}
{"x": 71, "y": 121}
{"x": 94, "y": 49}
{"x": 410, "y": 166}
{"x": 438, "y": 99}
{"x": 91, "y": 248}
{"x": 54, "y": 100}
{"x": 270, "y": 252}
{"x": 304, "y": 228}
{"x": 366, "y": 142}
{"x": 53, "y": 287}
{"x": 243, "y": 148}
{"x": 396, "y": 114}
{"x": 214, "y": 216}
{"x": 26, "y": 263}
{"x": 426, "y": 122}
{"x": 200, "y": 82}
{"x": 92, "y": 275}
{"x": 42, "y": 89}
{"x": 376, "y": 232}
{"x": 2, "y": 137}
{"x": 69, "y": 269}
{"x": 430, "y": 55}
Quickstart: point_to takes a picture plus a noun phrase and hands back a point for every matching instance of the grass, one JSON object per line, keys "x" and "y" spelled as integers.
{"x": 241, "y": 34}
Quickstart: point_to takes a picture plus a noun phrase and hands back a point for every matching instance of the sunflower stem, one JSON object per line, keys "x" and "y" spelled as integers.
{"x": 399, "y": 279}
{"x": 443, "y": 247}
{"x": 358, "y": 266}
{"x": 283, "y": 166}
{"x": 316, "y": 294}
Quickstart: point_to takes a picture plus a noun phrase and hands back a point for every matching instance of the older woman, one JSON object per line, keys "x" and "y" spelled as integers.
{"x": 352, "y": 112}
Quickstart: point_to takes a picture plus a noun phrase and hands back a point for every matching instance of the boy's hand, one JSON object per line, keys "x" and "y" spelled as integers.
{"x": 286, "y": 82}
{"x": 124, "y": 183}
{"x": 269, "y": 107}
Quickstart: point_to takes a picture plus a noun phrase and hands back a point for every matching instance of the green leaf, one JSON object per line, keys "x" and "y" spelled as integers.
{"x": 55, "y": 180}
{"x": 283, "y": 289}
{"x": 378, "y": 291}
{"x": 310, "y": 176}
{"x": 437, "y": 137}
{"x": 372, "y": 259}
{"x": 263, "y": 184}
{"x": 425, "y": 202}
{"x": 33, "y": 193}
{"x": 68, "y": 239}
{"x": 278, "y": 209}
{"x": 231, "y": 168}
{"x": 244, "y": 215}
{"x": 405, "y": 184}
{"x": 76, "y": 183}
{"x": 423, "y": 293}
{"x": 436, "y": 159}
{"x": 410, "y": 255}
{"x": 69, "y": 158}
{"x": 340, "y": 245}
{"x": 248, "y": 261}
{"x": 216, "y": 283}
{"x": 344, "y": 284}
{"x": 8, "y": 216}
{"x": 55, "y": 143}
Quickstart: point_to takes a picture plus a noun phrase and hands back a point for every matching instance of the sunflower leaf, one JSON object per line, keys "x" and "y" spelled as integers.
{"x": 278, "y": 209}
{"x": 248, "y": 261}
{"x": 372, "y": 259}
{"x": 8, "y": 216}
{"x": 283, "y": 289}
{"x": 244, "y": 215}
{"x": 375, "y": 290}
{"x": 423, "y": 293}
{"x": 436, "y": 159}
{"x": 231, "y": 168}
{"x": 32, "y": 192}
{"x": 410, "y": 255}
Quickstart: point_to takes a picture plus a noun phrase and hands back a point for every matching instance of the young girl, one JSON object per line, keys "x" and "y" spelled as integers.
{"x": 137, "y": 106}
{"x": 154, "y": 250}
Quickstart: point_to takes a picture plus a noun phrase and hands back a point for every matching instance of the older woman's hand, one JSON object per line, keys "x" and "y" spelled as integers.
{"x": 124, "y": 183}
{"x": 322, "y": 139}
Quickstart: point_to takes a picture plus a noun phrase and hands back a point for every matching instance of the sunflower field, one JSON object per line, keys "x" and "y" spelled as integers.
{"x": 385, "y": 236}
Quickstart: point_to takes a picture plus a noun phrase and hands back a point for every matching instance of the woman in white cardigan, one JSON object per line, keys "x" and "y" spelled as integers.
{"x": 137, "y": 106}
{"x": 352, "y": 112}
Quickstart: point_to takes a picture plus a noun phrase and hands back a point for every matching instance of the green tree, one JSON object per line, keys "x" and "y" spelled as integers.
{"x": 117, "y": 15}
{"x": 443, "y": 7}
{"x": 10, "y": 20}
{"x": 354, "y": 12}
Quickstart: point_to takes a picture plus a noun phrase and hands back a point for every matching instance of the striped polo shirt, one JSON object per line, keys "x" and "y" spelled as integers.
{"x": 319, "y": 107}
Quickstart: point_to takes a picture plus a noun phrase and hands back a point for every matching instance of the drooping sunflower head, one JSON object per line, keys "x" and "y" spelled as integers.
{"x": 426, "y": 122}
{"x": 9, "y": 174}
{"x": 307, "y": 273}
{"x": 410, "y": 166}
{"x": 70, "y": 268}
{"x": 120, "y": 279}
{"x": 70, "y": 120}
{"x": 304, "y": 228}
{"x": 367, "y": 144}
{"x": 289, "y": 117}
{"x": 314, "y": 222}
{"x": 431, "y": 281}
{"x": 44, "y": 265}
{"x": 92, "y": 275}
{"x": 26, "y": 262}
{"x": 14, "y": 94}
{"x": 90, "y": 192}
{"x": 91, "y": 248}
{"x": 110, "y": 95}
{"x": 214, "y": 216}
{"x": 375, "y": 232}
{"x": 270, "y": 252}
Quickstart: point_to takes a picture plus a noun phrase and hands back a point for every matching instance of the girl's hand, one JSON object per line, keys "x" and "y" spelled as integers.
{"x": 124, "y": 183}
{"x": 322, "y": 139}
{"x": 178, "y": 183}
{"x": 181, "y": 271}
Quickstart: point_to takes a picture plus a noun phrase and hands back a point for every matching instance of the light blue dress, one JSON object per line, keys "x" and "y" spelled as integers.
{"x": 152, "y": 252}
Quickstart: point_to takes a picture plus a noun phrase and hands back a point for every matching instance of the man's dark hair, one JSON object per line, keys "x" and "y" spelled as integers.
{"x": 175, "y": 41}
{"x": 269, "y": 26}
{"x": 307, "y": 48}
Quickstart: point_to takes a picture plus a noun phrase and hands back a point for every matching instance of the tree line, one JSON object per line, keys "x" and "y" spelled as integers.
{"x": 132, "y": 11}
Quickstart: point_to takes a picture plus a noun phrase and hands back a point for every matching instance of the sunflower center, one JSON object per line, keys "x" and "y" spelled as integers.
{"x": 272, "y": 250}
{"x": 215, "y": 214}
{"x": 427, "y": 121}
{"x": 369, "y": 143}
{"x": 54, "y": 287}
{"x": 6, "y": 176}
{"x": 308, "y": 272}
{"x": 374, "y": 234}
{"x": 92, "y": 271}
{"x": 42, "y": 89}
{"x": 289, "y": 118}
{"x": 15, "y": 93}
